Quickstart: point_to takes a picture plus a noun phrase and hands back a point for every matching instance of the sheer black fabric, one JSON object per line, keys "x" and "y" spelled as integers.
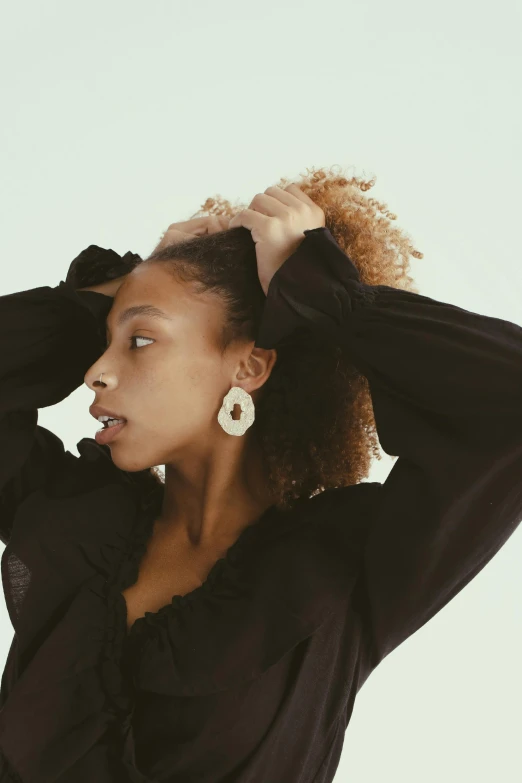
{"x": 252, "y": 676}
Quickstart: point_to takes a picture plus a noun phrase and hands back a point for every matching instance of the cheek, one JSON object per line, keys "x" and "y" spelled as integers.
{"x": 193, "y": 388}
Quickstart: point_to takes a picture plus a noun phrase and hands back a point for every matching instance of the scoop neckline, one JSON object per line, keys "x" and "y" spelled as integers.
{"x": 227, "y": 562}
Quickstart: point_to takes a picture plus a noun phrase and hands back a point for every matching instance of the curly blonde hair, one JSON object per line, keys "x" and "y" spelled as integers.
{"x": 315, "y": 419}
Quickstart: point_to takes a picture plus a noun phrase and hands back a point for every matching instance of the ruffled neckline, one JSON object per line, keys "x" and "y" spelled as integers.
{"x": 224, "y": 574}
{"x": 122, "y": 645}
{"x": 274, "y": 586}
{"x": 225, "y": 568}
{"x": 150, "y": 499}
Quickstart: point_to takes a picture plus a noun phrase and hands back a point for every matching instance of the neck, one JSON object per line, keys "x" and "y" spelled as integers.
{"x": 210, "y": 498}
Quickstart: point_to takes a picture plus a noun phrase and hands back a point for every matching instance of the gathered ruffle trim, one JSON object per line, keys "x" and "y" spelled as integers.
{"x": 116, "y": 683}
{"x": 135, "y": 653}
{"x": 224, "y": 572}
{"x": 7, "y": 773}
{"x": 121, "y": 645}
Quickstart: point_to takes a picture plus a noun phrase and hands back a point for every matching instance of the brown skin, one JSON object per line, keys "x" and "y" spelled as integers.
{"x": 326, "y": 451}
{"x": 311, "y": 448}
{"x": 170, "y": 391}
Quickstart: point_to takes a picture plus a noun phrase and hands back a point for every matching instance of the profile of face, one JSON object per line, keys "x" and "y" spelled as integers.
{"x": 167, "y": 376}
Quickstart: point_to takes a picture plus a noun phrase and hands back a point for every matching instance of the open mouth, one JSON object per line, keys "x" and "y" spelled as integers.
{"x": 108, "y": 423}
{"x": 110, "y": 430}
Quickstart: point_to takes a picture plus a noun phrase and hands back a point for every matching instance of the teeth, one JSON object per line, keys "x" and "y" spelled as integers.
{"x": 114, "y": 422}
{"x": 109, "y": 421}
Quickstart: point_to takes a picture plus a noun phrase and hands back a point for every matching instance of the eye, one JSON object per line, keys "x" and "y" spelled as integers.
{"x": 138, "y": 337}
{"x": 131, "y": 340}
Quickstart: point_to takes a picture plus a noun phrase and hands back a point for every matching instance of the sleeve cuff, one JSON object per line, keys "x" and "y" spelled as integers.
{"x": 96, "y": 265}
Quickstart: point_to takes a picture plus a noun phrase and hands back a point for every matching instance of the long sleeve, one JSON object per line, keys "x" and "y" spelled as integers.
{"x": 446, "y": 388}
{"x": 49, "y": 337}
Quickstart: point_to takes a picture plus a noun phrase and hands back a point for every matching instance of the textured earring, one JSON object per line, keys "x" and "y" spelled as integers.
{"x": 236, "y": 426}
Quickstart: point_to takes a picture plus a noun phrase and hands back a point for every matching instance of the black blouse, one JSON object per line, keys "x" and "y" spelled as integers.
{"x": 252, "y": 676}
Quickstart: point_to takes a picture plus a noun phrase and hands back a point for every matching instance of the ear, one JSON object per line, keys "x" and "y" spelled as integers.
{"x": 257, "y": 367}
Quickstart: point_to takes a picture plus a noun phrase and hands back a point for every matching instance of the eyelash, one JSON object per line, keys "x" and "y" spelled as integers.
{"x": 135, "y": 337}
{"x": 138, "y": 337}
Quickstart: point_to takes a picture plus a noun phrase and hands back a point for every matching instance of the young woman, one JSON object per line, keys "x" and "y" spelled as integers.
{"x": 217, "y": 625}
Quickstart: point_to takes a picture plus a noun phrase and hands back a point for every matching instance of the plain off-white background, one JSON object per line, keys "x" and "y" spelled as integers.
{"x": 119, "y": 118}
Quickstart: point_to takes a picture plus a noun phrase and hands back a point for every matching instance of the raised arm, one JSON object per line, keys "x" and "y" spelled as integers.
{"x": 446, "y": 387}
{"x": 49, "y": 337}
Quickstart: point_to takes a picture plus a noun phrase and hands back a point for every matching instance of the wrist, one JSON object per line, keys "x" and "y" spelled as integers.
{"x": 96, "y": 266}
{"x": 109, "y": 287}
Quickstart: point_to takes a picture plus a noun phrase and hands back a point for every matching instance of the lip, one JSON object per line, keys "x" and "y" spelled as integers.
{"x": 106, "y": 435}
{"x": 97, "y": 410}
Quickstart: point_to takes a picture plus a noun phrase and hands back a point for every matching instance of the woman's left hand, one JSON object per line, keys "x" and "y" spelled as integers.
{"x": 195, "y": 227}
{"x": 277, "y": 219}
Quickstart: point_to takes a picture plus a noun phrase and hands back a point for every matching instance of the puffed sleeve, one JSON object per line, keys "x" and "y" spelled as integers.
{"x": 446, "y": 388}
{"x": 49, "y": 337}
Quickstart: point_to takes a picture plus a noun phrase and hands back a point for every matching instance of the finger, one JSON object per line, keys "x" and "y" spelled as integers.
{"x": 215, "y": 224}
{"x": 177, "y": 232}
{"x": 291, "y": 199}
{"x": 271, "y": 205}
{"x": 192, "y": 226}
{"x": 296, "y": 191}
{"x": 248, "y": 218}
{"x": 173, "y": 236}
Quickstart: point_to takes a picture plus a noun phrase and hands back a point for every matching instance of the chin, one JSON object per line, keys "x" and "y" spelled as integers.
{"x": 126, "y": 461}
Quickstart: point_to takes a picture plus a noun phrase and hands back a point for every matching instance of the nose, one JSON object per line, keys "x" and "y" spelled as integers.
{"x": 96, "y": 381}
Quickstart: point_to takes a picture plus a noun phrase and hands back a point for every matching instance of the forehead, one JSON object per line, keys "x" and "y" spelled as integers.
{"x": 149, "y": 292}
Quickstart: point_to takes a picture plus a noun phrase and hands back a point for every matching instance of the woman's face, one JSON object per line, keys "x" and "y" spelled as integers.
{"x": 170, "y": 383}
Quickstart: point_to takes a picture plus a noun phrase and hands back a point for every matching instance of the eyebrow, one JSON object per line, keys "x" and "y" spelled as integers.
{"x": 144, "y": 309}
